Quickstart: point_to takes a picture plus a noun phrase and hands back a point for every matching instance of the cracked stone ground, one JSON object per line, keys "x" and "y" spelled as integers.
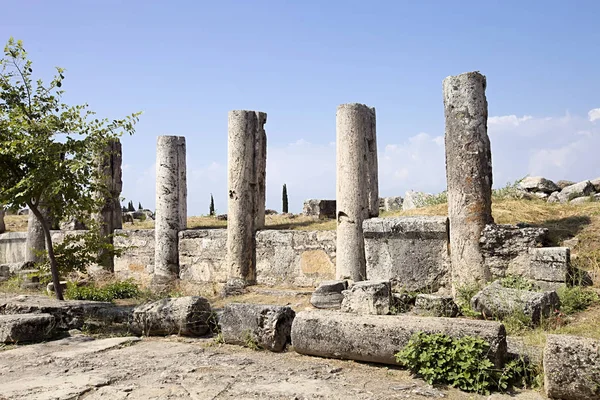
{"x": 81, "y": 367}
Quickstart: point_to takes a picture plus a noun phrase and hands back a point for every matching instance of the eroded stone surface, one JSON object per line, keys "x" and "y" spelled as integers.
{"x": 19, "y": 328}
{"x": 414, "y": 200}
{"x": 581, "y": 189}
{"x": 432, "y": 305}
{"x": 319, "y": 208}
{"x": 538, "y": 184}
{"x": 329, "y": 294}
{"x": 368, "y": 297}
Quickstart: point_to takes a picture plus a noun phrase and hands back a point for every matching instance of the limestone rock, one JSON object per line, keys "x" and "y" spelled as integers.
{"x": 368, "y": 297}
{"x": 376, "y": 338}
{"x": 581, "y": 189}
{"x": 319, "y": 208}
{"x": 519, "y": 349}
{"x": 563, "y": 184}
{"x": 187, "y": 316}
{"x": 596, "y": 184}
{"x": 549, "y": 264}
{"x": 572, "y": 368}
{"x": 538, "y": 184}
{"x": 329, "y": 294}
{"x": 267, "y": 326}
{"x": 500, "y": 302}
{"x": 432, "y": 305}
{"x": 392, "y": 203}
{"x": 269, "y": 211}
{"x": 414, "y": 200}
{"x": 553, "y": 198}
{"x": 581, "y": 200}
{"x": 50, "y": 287}
{"x": 68, "y": 314}
{"x": 26, "y": 328}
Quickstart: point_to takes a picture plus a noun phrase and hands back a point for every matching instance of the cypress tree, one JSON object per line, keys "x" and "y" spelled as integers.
{"x": 140, "y": 206}
{"x": 130, "y": 207}
{"x": 211, "y": 209}
{"x": 284, "y": 199}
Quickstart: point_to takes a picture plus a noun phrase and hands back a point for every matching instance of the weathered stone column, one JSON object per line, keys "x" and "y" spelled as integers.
{"x": 260, "y": 155}
{"x": 246, "y": 130}
{"x": 468, "y": 173}
{"x": 110, "y": 216}
{"x": 36, "y": 241}
{"x": 354, "y": 123}
{"x": 2, "y": 226}
{"x": 171, "y": 207}
{"x": 372, "y": 168}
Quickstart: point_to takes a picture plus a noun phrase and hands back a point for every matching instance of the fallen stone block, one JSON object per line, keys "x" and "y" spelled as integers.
{"x": 538, "y": 184}
{"x": 414, "y": 200}
{"x": 563, "y": 184}
{"x": 582, "y": 200}
{"x": 432, "y": 305}
{"x": 69, "y": 314}
{"x": 26, "y": 328}
{"x": 319, "y": 208}
{"x": 266, "y": 326}
{"x": 549, "y": 264}
{"x": 500, "y": 302}
{"x": 580, "y": 189}
{"x": 518, "y": 349}
{"x": 572, "y": 368}
{"x": 186, "y": 316}
{"x": 376, "y": 338}
{"x": 329, "y": 294}
{"x": 368, "y": 297}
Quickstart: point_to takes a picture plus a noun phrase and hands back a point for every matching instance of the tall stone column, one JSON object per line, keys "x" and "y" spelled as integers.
{"x": 372, "y": 167}
{"x": 2, "y": 226}
{"x": 245, "y": 136}
{"x": 110, "y": 216}
{"x": 36, "y": 241}
{"x": 171, "y": 207}
{"x": 260, "y": 154}
{"x": 354, "y": 126}
{"x": 468, "y": 173}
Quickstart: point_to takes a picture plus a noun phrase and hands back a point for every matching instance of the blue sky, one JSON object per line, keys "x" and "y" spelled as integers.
{"x": 186, "y": 63}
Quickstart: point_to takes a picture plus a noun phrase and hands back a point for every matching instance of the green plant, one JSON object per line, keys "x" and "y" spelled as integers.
{"x": 518, "y": 282}
{"x": 436, "y": 199}
{"x": 510, "y": 191}
{"x": 219, "y": 339}
{"x": 284, "y": 199}
{"x": 574, "y": 299}
{"x": 460, "y": 362}
{"x": 464, "y": 294}
{"x": 117, "y": 290}
{"x": 211, "y": 207}
{"x": 250, "y": 342}
{"x": 517, "y": 323}
{"x": 142, "y": 217}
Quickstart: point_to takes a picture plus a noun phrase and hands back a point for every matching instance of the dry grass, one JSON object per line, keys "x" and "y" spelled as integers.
{"x": 16, "y": 223}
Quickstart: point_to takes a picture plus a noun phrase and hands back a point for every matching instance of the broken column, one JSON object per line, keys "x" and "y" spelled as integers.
{"x": 244, "y": 166}
{"x": 260, "y": 154}
{"x": 468, "y": 173}
{"x": 171, "y": 206}
{"x": 110, "y": 216}
{"x": 372, "y": 169}
{"x": 355, "y": 125}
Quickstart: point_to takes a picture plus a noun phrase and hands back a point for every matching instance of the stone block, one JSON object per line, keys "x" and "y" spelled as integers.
{"x": 549, "y": 264}
{"x": 563, "y": 184}
{"x": 392, "y": 203}
{"x": 582, "y": 200}
{"x": 266, "y": 326}
{"x": 432, "y": 305}
{"x": 499, "y": 302}
{"x": 186, "y": 316}
{"x": 319, "y": 208}
{"x": 581, "y": 189}
{"x": 414, "y": 200}
{"x": 376, "y": 338}
{"x": 572, "y": 368}
{"x": 26, "y": 328}
{"x": 329, "y": 294}
{"x": 538, "y": 184}
{"x": 368, "y": 297}
{"x": 411, "y": 252}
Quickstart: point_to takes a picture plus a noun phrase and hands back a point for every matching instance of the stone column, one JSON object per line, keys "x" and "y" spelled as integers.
{"x": 171, "y": 207}
{"x": 110, "y": 216}
{"x": 372, "y": 168}
{"x": 246, "y": 130}
{"x": 2, "y": 226}
{"x": 354, "y": 124}
{"x": 468, "y": 173}
{"x": 36, "y": 241}
{"x": 260, "y": 154}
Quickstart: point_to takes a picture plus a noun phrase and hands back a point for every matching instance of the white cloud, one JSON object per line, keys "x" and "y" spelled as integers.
{"x": 594, "y": 114}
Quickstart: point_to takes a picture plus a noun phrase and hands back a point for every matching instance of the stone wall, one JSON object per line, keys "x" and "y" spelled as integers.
{"x": 411, "y": 251}
{"x": 13, "y": 245}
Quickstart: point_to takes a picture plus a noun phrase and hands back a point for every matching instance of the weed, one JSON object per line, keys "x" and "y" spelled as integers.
{"x": 250, "y": 342}
{"x": 464, "y": 294}
{"x": 519, "y": 282}
{"x": 440, "y": 198}
{"x": 575, "y": 299}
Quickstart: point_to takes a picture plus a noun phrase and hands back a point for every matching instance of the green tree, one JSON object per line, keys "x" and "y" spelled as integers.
{"x": 140, "y": 206}
{"x": 211, "y": 209}
{"x": 284, "y": 199}
{"x": 130, "y": 206}
{"x": 48, "y": 149}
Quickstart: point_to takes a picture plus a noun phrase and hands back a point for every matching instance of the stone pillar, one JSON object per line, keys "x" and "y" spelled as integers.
{"x": 354, "y": 126}
{"x": 171, "y": 207}
{"x": 110, "y": 216}
{"x": 468, "y": 174}
{"x": 260, "y": 154}
{"x": 246, "y": 130}
{"x": 36, "y": 241}
{"x": 372, "y": 168}
{"x": 2, "y": 226}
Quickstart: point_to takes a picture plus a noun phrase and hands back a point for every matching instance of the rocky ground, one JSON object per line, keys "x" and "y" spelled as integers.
{"x": 81, "y": 367}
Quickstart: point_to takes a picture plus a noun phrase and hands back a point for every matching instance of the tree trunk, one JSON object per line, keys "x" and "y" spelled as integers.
{"x": 49, "y": 248}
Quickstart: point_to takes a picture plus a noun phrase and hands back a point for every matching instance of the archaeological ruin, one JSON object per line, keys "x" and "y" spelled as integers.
{"x": 358, "y": 274}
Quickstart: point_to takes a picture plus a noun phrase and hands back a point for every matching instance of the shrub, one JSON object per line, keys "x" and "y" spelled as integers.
{"x": 575, "y": 299}
{"x": 518, "y": 282}
{"x": 464, "y": 294}
{"x": 510, "y": 191}
{"x": 117, "y": 290}
{"x": 436, "y": 199}
{"x": 460, "y": 362}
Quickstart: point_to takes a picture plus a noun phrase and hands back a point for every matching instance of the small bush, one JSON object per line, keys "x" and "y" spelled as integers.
{"x": 575, "y": 299}
{"x": 518, "y": 282}
{"x": 510, "y": 191}
{"x": 436, "y": 199}
{"x": 464, "y": 294}
{"x": 460, "y": 362}
{"x": 117, "y": 290}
